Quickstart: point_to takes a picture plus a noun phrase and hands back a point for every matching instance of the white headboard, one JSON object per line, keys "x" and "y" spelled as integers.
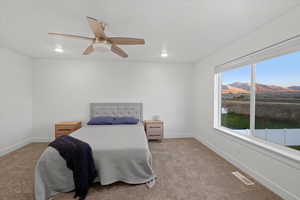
{"x": 117, "y": 110}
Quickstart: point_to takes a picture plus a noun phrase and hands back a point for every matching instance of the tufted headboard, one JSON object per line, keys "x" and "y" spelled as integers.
{"x": 117, "y": 110}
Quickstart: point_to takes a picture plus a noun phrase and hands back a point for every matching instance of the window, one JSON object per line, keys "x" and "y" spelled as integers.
{"x": 263, "y": 100}
{"x": 235, "y": 106}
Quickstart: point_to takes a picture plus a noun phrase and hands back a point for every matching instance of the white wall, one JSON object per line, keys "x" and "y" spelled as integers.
{"x": 15, "y": 100}
{"x": 276, "y": 172}
{"x": 63, "y": 89}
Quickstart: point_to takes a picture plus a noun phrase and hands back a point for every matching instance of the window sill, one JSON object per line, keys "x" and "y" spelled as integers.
{"x": 292, "y": 156}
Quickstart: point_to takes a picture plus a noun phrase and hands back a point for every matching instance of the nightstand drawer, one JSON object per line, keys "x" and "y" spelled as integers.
{"x": 64, "y": 129}
{"x": 155, "y": 129}
{"x": 154, "y": 134}
{"x": 159, "y": 137}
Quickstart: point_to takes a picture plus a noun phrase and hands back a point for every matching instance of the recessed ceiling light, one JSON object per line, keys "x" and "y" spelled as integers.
{"x": 164, "y": 54}
{"x": 59, "y": 49}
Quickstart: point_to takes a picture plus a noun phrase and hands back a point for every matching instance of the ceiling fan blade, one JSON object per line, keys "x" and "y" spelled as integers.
{"x": 72, "y": 36}
{"x": 126, "y": 41}
{"x": 117, "y": 50}
{"x": 97, "y": 27}
{"x": 89, "y": 50}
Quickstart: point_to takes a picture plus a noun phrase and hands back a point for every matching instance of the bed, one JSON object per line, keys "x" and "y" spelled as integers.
{"x": 120, "y": 152}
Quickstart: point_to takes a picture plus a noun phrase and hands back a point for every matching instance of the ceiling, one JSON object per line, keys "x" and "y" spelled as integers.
{"x": 188, "y": 30}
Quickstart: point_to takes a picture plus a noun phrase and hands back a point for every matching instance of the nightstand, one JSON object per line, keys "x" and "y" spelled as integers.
{"x": 154, "y": 129}
{"x": 65, "y": 128}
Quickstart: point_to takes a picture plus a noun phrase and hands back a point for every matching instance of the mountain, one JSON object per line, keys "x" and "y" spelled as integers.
{"x": 262, "y": 88}
{"x": 228, "y": 89}
{"x": 244, "y": 88}
{"x": 294, "y": 87}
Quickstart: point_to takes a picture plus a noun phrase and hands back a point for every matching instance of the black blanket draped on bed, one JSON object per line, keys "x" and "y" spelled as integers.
{"x": 79, "y": 159}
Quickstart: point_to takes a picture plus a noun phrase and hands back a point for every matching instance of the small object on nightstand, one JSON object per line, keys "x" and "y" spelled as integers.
{"x": 154, "y": 129}
{"x": 65, "y": 128}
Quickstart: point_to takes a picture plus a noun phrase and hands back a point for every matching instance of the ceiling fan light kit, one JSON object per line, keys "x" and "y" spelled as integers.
{"x": 101, "y": 42}
{"x": 102, "y": 47}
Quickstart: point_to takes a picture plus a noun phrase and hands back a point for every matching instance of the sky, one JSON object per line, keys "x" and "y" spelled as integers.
{"x": 282, "y": 71}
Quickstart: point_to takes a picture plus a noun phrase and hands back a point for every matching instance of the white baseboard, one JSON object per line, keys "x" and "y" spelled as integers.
{"x": 20, "y": 144}
{"x": 13, "y": 147}
{"x": 257, "y": 176}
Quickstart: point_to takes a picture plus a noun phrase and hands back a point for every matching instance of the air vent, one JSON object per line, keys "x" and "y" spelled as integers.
{"x": 243, "y": 178}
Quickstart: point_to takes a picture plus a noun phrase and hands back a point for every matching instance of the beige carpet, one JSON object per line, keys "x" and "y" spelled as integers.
{"x": 185, "y": 168}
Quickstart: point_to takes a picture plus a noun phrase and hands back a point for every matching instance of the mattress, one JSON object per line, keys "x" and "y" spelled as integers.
{"x": 120, "y": 152}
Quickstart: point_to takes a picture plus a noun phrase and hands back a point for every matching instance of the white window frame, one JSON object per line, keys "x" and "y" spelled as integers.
{"x": 281, "y": 48}
{"x": 252, "y": 99}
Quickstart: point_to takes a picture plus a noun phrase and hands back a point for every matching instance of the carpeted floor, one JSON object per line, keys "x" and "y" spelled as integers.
{"x": 186, "y": 170}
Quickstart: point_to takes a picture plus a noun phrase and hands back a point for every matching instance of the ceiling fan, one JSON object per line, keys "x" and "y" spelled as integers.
{"x": 101, "y": 40}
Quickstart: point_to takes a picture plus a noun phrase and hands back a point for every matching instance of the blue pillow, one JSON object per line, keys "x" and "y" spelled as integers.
{"x": 101, "y": 121}
{"x": 125, "y": 120}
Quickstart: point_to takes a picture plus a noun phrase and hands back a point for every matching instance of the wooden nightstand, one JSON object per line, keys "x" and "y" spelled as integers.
{"x": 65, "y": 128}
{"x": 154, "y": 129}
